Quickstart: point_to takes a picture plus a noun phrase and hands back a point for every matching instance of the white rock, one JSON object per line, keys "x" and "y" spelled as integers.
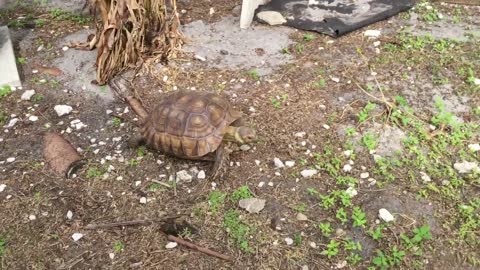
{"x": 261, "y": 184}
{"x": 200, "y": 58}
{"x": 245, "y": 147}
{"x": 290, "y": 163}
{"x": 270, "y": 184}
{"x": 288, "y": 241}
{"x": 278, "y": 163}
{"x": 351, "y": 191}
{"x": 271, "y": 17}
{"x": 111, "y": 255}
{"x": 372, "y": 33}
{"x": 2, "y": 187}
{"x": 65, "y": 48}
{"x": 10, "y": 159}
{"x": 62, "y": 109}
{"x": 32, "y": 217}
{"x": 347, "y": 167}
{"x": 201, "y": 174}
{"x": 33, "y": 118}
{"x": 252, "y": 205}
{"x": 464, "y": 167}
{"x": 300, "y": 134}
{"x": 308, "y": 173}
{"x": 326, "y": 126}
{"x": 12, "y": 123}
{"x": 347, "y": 153}
{"x": 77, "y": 236}
{"x": 364, "y": 175}
{"x": 335, "y": 79}
{"x": 143, "y": 200}
{"x": 183, "y": 176}
{"x": 171, "y": 245}
{"x": 476, "y": 81}
{"x": 257, "y": 162}
{"x": 313, "y": 245}
{"x": 376, "y": 43}
{"x": 384, "y": 215}
{"x": 301, "y": 217}
{"x": 27, "y": 94}
{"x": 341, "y": 264}
{"x": 425, "y": 177}
{"x": 474, "y": 147}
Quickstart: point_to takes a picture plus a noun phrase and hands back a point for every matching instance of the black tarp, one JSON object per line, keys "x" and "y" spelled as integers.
{"x": 335, "y": 17}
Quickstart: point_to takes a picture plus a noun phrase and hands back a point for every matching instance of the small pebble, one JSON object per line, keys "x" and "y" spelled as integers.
{"x": 201, "y": 174}
{"x": 171, "y": 245}
{"x": 326, "y": 126}
{"x": 32, "y": 217}
{"x": 77, "y": 236}
{"x": 288, "y": 241}
{"x": 10, "y": 159}
{"x": 301, "y": 217}
{"x": 69, "y": 214}
{"x": 347, "y": 153}
{"x": 372, "y": 33}
{"x": 111, "y": 255}
{"x": 290, "y": 163}
{"x": 270, "y": 184}
{"x": 2, "y": 187}
{"x": 313, "y": 245}
{"x": 474, "y": 147}
{"x": 245, "y": 147}
{"x": 425, "y": 177}
{"x": 347, "y": 168}
{"x": 137, "y": 183}
{"x": 62, "y": 110}
{"x": 385, "y": 215}
{"x": 261, "y": 184}
{"x": 308, "y": 173}
{"x": 33, "y": 118}
{"x": 351, "y": 191}
{"x": 143, "y": 200}
{"x": 364, "y": 175}
{"x": 27, "y": 95}
{"x": 65, "y": 48}
{"x": 278, "y": 163}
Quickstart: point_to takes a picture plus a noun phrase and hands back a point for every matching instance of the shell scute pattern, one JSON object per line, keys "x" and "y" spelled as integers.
{"x": 188, "y": 124}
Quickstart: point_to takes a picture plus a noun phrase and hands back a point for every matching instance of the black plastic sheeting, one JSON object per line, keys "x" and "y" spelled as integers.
{"x": 335, "y": 17}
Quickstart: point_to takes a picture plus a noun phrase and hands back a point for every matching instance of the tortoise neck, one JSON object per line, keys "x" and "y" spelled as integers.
{"x": 137, "y": 107}
{"x": 231, "y": 134}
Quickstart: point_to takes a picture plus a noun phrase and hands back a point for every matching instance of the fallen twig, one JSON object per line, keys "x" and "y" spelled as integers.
{"x": 119, "y": 224}
{"x": 201, "y": 249}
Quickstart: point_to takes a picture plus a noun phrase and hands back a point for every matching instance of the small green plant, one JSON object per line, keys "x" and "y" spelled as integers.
{"x": 21, "y": 60}
{"x": 237, "y": 230}
{"x": 301, "y": 208}
{"x": 133, "y": 162}
{"x": 342, "y": 215}
{"x": 240, "y": 193}
{"x": 3, "y": 117}
{"x": 369, "y": 140}
{"x": 216, "y": 199}
{"x": 37, "y": 98}
{"x": 286, "y": 51}
{"x": 141, "y": 151}
{"x": 5, "y": 91}
{"x": 3, "y": 244}
{"x": 332, "y": 249}
{"x": 118, "y": 246}
{"x": 325, "y": 228}
{"x": 308, "y": 37}
{"x": 359, "y": 217}
{"x": 94, "y": 172}
{"x": 320, "y": 83}
{"x": 364, "y": 113}
{"x": 154, "y": 187}
{"x": 297, "y": 239}
{"x": 299, "y": 48}
{"x": 377, "y": 233}
{"x": 380, "y": 260}
{"x": 116, "y": 122}
{"x": 254, "y": 74}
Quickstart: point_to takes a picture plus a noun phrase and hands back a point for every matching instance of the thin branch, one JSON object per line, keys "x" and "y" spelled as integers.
{"x": 198, "y": 248}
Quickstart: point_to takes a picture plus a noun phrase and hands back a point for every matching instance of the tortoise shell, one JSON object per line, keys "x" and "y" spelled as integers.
{"x": 188, "y": 124}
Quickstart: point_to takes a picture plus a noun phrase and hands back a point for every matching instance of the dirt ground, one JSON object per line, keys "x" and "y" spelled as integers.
{"x": 383, "y": 123}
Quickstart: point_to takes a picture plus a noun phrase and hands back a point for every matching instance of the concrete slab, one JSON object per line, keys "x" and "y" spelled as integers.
{"x": 8, "y": 66}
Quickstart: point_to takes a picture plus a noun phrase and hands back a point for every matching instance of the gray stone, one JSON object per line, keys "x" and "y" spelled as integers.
{"x": 271, "y": 17}
{"x": 183, "y": 176}
{"x": 252, "y": 205}
{"x": 8, "y": 68}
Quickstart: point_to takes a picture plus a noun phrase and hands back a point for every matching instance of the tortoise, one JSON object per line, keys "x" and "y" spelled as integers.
{"x": 188, "y": 124}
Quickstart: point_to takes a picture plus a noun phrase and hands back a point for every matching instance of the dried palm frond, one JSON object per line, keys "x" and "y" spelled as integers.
{"x": 132, "y": 31}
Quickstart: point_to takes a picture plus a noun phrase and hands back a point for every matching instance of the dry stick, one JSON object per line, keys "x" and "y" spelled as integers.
{"x": 201, "y": 249}
{"x": 118, "y": 224}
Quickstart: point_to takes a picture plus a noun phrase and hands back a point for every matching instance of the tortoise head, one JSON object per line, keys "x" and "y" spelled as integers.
{"x": 245, "y": 135}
